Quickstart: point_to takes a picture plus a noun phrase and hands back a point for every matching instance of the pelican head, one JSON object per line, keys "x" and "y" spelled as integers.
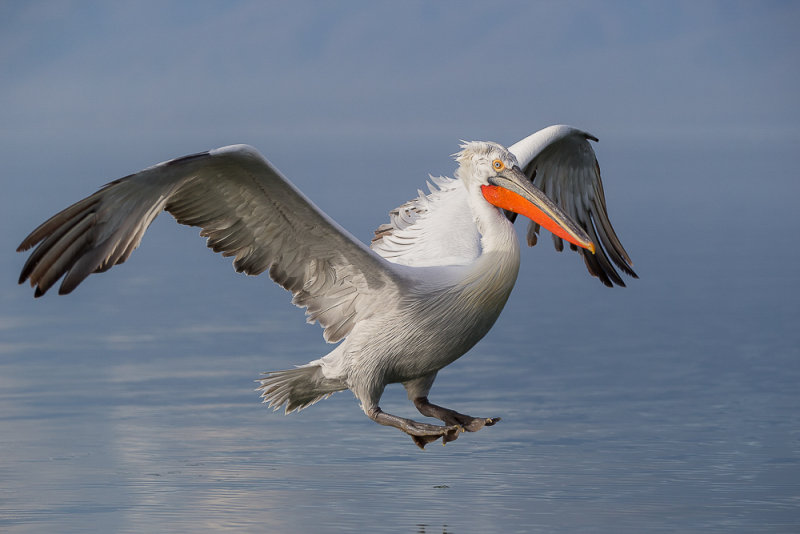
{"x": 503, "y": 184}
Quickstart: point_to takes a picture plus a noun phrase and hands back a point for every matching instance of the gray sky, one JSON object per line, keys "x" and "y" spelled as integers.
{"x": 443, "y": 69}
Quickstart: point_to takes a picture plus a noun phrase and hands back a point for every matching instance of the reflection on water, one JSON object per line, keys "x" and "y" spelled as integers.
{"x": 167, "y": 434}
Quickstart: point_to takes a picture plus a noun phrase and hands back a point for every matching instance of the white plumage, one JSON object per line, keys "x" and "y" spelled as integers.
{"x": 431, "y": 286}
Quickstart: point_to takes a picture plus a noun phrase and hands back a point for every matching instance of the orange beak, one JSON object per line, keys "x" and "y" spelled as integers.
{"x": 511, "y": 190}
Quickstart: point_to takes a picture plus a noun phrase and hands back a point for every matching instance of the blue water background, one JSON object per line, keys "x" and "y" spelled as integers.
{"x": 669, "y": 406}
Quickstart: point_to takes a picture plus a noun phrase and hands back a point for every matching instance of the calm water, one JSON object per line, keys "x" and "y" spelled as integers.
{"x": 670, "y": 406}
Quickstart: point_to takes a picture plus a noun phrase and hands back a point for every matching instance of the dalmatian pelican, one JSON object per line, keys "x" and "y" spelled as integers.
{"x": 430, "y": 285}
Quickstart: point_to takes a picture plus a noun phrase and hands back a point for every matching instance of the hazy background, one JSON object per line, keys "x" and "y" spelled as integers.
{"x": 696, "y": 364}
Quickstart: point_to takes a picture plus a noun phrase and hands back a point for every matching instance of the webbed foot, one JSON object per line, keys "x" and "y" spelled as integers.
{"x": 421, "y": 433}
{"x": 452, "y": 417}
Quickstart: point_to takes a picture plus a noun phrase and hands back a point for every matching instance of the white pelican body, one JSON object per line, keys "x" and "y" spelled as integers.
{"x": 431, "y": 286}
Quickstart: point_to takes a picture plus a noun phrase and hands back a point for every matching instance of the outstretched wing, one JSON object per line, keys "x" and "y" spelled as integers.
{"x": 561, "y": 162}
{"x": 245, "y": 208}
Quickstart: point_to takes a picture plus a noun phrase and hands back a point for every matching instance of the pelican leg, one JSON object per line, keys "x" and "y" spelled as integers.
{"x": 452, "y": 417}
{"x": 421, "y": 433}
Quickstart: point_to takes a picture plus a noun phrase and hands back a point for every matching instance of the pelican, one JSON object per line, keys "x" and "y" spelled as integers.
{"x": 430, "y": 285}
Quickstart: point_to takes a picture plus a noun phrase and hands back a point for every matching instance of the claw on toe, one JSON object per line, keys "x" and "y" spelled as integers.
{"x": 452, "y": 435}
{"x": 476, "y": 423}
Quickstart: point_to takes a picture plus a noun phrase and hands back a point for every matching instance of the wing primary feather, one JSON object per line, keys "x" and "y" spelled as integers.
{"x": 48, "y": 243}
{"x": 60, "y": 253}
{"x": 606, "y": 271}
{"x": 83, "y": 267}
{"x": 62, "y": 263}
{"x": 53, "y": 223}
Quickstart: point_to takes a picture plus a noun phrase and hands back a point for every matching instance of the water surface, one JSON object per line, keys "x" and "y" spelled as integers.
{"x": 670, "y": 406}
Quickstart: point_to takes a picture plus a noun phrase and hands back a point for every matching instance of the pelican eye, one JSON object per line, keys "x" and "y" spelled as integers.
{"x": 498, "y": 165}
